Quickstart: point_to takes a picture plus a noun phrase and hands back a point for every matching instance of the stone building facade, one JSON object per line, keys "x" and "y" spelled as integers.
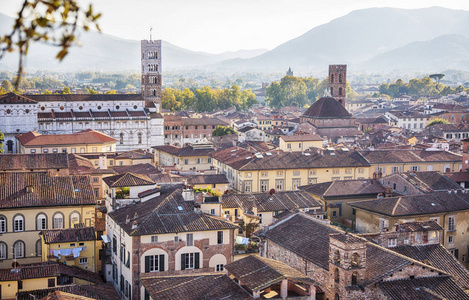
{"x": 338, "y": 82}
{"x": 151, "y": 71}
{"x": 131, "y": 120}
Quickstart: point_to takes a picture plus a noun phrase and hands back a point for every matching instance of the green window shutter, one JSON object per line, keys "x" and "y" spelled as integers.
{"x": 147, "y": 264}
{"x": 183, "y": 261}
{"x": 196, "y": 260}
{"x": 161, "y": 261}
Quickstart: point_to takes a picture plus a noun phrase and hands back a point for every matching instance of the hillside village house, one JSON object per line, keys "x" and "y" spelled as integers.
{"x": 285, "y": 171}
{"x": 110, "y": 160}
{"x": 72, "y": 247}
{"x": 335, "y": 195}
{"x": 179, "y": 131}
{"x": 346, "y": 266}
{"x": 86, "y": 141}
{"x": 262, "y": 208}
{"x": 408, "y": 120}
{"x": 189, "y": 158}
{"x": 165, "y": 233}
{"x": 35, "y": 201}
{"x": 448, "y": 209}
{"x": 299, "y": 142}
{"x": 54, "y": 163}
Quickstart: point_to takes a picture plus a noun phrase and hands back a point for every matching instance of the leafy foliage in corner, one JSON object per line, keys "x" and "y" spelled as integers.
{"x": 222, "y": 130}
{"x": 50, "y": 21}
{"x": 419, "y": 87}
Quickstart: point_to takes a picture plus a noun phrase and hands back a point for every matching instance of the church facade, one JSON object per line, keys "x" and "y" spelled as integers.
{"x": 133, "y": 119}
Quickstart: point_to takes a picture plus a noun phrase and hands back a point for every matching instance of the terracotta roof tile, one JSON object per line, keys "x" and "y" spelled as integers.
{"x": 327, "y": 107}
{"x": 415, "y": 205}
{"x": 166, "y": 213}
{"x": 39, "y": 161}
{"x": 430, "y": 181}
{"x": 68, "y": 235}
{"x": 12, "y": 98}
{"x": 439, "y": 257}
{"x": 86, "y": 97}
{"x": 128, "y": 180}
{"x": 194, "y": 287}
{"x": 88, "y": 136}
{"x": 408, "y": 156}
{"x": 97, "y": 291}
{"x": 437, "y": 287}
{"x": 257, "y": 273}
{"x": 45, "y": 190}
{"x": 207, "y": 179}
{"x": 265, "y": 202}
{"x": 342, "y": 188}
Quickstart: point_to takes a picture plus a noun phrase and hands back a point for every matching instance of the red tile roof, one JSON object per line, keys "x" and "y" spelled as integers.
{"x": 194, "y": 287}
{"x": 39, "y": 161}
{"x": 128, "y": 180}
{"x": 44, "y": 190}
{"x": 68, "y": 235}
{"x": 12, "y": 98}
{"x": 257, "y": 273}
{"x": 88, "y": 136}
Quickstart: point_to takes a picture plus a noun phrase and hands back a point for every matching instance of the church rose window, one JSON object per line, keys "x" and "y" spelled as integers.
{"x": 8, "y": 111}
{"x": 27, "y": 111}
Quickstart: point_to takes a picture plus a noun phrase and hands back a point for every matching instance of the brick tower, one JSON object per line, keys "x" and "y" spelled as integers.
{"x": 338, "y": 82}
{"x": 347, "y": 264}
{"x": 151, "y": 71}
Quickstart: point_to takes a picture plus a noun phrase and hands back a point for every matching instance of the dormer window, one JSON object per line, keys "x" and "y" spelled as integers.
{"x": 29, "y": 189}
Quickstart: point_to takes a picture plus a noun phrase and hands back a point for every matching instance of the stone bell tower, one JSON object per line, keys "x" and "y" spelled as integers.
{"x": 347, "y": 264}
{"x": 151, "y": 71}
{"x": 338, "y": 82}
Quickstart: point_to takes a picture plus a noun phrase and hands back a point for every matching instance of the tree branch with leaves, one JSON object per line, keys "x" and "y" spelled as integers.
{"x": 54, "y": 22}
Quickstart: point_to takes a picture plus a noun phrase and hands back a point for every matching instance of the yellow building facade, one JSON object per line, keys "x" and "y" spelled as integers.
{"x": 37, "y": 201}
{"x": 73, "y": 247}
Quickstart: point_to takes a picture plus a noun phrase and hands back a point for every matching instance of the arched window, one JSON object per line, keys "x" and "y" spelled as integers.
{"x": 340, "y": 91}
{"x": 340, "y": 78}
{"x": 355, "y": 260}
{"x": 38, "y": 248}
{"x": 336, "y": 275}
{"x": 18, "y": 249}
{"x": 18, "y": 223}
{"x": 10, "y": 146}
{"x": 337, "y": 257}
{"x": 354, "y": 278}
{"x": 121, "y": 138}
{"x": 3, "y": 251}
{"x": 74, "y": 219}
{"x": 336, "y": 297}
{"x": 3, "y": 224}
{"x": 139, "y": 137}
{"x": 41, "y": 221}
{"x": 58, "y": 220}
{"x": 332, "y": 78}
{"x": 332, "y": 91}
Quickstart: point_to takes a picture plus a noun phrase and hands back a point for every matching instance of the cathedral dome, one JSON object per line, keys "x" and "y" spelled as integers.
{"x": 327, "y": 107}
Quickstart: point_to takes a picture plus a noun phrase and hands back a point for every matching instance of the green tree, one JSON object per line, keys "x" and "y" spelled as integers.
{"x": 273, "y": 95}
{"x": 47, "y": 92}
{"x": 6, "y": 84}
{"x": 111, "y": 92}
{"x": 66, "y": 91}
{"x": 2, "y": 91}
{"x": 437, "y": 121}
{"x": 222, "y": 130}
{"x": 49, "y": 21}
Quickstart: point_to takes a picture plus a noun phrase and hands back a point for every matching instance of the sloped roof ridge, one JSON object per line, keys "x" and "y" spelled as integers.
{"x": 154, "y": 212}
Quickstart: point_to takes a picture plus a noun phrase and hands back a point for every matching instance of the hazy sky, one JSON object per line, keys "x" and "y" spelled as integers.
{"x": 226, "y": 25}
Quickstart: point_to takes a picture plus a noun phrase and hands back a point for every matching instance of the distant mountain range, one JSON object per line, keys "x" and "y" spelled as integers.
{"x": 368, "y": 40}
